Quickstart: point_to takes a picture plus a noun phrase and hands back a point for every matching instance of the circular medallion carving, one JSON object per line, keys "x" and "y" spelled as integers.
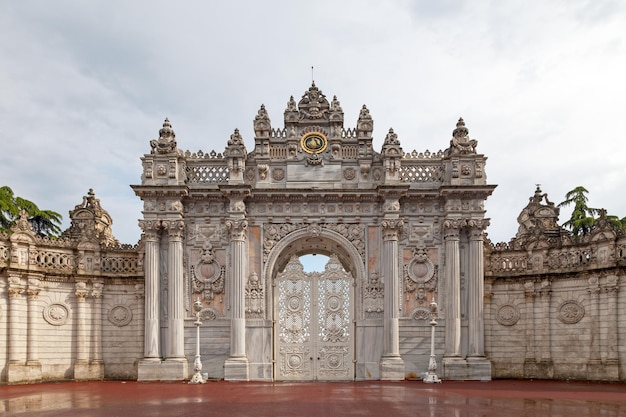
{"x": 421, "y": 270}
{"x": 571, "y": 312}
{"x": 507, "y": 315}
{"x": 120, "y": 315}
{"x": 313, "y": 143}
{"x": 294, "y": 303}
{"x": 333, "y": 361}
{"x": 349, "y": 174}
{"x": 334, "y": 303}
{"x": 56, "y": 314}
{"x": 278, "y": 174}
{"x": 294, "y": 361}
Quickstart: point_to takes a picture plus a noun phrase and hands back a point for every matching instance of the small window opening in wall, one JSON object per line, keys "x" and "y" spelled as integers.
{"x": 314, "y": 262}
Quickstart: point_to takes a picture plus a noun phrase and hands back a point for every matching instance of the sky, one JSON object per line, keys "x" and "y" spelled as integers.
{"x": 85, "y": 85}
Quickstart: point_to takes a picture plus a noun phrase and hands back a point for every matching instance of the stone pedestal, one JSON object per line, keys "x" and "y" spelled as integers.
{"x": 236, "y": 369}
{"x": 19, "y": 373}
{"x": 392, "y": 368}
{"x": 89, "y": 371}
{"x": 168, "y": 370}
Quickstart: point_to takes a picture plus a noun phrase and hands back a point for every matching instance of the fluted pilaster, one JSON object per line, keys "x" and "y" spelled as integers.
{"x": 175, "y": 300}
{"x": 152, "y": 303}
{"x": 453, "y": 285}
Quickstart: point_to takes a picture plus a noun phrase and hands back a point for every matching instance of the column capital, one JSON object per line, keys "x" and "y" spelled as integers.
{"x": 175, "y": 228}
{"x": 96, "y": 290}
{"x": 238, "y": 228}
{"x": 150, "y": 228}
{"x": 15, "y": 286}
{"x": 81, "y": 291}
{"x": 392, "y": 228}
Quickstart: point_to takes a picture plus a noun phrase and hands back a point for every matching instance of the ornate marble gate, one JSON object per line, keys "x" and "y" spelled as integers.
{"x": 313, "y": 331}
{"x": 220, "y": 228}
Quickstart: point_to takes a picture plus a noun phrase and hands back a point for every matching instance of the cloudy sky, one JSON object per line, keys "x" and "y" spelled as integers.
{"x": 85, "y": 85}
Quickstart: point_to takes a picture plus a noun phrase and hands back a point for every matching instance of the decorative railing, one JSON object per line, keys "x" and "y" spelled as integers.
{"x": 52, "y": 260}
{"x": 120, "y": 263}
{"x": 206, "y": 174}
{"x": 422, "y": 172}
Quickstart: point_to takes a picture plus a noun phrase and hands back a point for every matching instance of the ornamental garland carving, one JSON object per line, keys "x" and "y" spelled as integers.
{"x": 273, "y": 233}
{"x": 207, "y": 275}
{"x": 507, "y": 315}
{"x": 255, "y": 297}
{"x": 373, "y": 297}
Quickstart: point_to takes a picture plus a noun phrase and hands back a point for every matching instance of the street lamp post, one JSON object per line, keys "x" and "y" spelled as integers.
{"x": 431, "y": 376}
{"x": 197, "y": 363}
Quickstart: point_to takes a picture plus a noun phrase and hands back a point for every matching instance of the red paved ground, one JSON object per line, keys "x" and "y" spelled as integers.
{"x": 377, "y": 398}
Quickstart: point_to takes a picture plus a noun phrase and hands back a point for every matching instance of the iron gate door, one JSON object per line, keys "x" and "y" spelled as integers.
{"x": 314, "y": 330}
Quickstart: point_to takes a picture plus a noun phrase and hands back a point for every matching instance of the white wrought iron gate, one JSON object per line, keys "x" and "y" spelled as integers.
{"x": 314, "y": 330}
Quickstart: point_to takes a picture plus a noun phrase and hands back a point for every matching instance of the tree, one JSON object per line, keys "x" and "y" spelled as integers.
{"x": 44, "y": 222}
{"x": 582, "y": 218}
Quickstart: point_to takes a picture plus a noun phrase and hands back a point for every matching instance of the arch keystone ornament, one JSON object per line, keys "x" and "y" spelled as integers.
{"x": 232, "y": 226}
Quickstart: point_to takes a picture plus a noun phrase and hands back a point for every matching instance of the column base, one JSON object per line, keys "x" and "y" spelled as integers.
{"x": 236, "y": 369}
{"x": 89, "y": 371}
{"x": 392, "y": 368}
{"x": 158, "y": 370}
{"x": 20, "y": 373}
{"x": 471, "y": 369}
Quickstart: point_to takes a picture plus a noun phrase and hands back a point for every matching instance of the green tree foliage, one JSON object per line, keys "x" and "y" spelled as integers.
{"x": 582, "y": 218}
{"x": 44, "y": 222}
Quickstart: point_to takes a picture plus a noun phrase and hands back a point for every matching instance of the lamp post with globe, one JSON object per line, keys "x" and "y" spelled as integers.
{"x": 431, "y": 376}
{"x": 197, "y": 363}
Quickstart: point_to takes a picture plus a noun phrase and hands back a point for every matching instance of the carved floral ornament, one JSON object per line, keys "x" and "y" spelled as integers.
{"x": 207, "y": 275}
{"x": 508, "y": 315}
{"x": 120, "y": 315}
{"x": 570, "y": 312}
{"x": 56, "y": 314}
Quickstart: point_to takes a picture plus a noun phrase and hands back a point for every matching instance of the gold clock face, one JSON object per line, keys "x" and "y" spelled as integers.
{"x": 313, "y": 143}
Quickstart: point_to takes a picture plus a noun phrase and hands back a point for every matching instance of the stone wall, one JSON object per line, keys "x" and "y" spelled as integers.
{"x": 72, "y": 307}
{"x": 555, "y": 303}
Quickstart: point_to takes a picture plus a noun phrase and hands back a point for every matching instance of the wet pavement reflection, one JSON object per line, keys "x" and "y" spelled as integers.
{"x": 367, "y": 398}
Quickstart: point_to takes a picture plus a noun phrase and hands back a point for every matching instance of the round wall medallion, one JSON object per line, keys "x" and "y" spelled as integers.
{"x": 314, "y": 143}
{"x": 571, "y": 312}
{"x": 120, "y": 315}
{"x": 349, "y": 174}
{"x": 507, "y": 315}
{"x": 420, "y": 271}
{"x": 56, "y": 314}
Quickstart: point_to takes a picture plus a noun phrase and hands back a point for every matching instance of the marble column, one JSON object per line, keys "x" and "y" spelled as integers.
{"x": 453, "y": 291}
{"x": 16, "y": 341}
{"x": 175, "y": 302}
{"x": 476, "y": 286}
{"x": 236, "y": 366}
{"x": 96, "y": 335}
{"x": 392, "y": 364}
{"x": 594, "y": 295}
{"x": 545, "y": 363}
{"x": 32, "y": 293}
{"x": 530, "y": 362}
{"x": 152, "y": 305}
{"x": 612, "y": 321}
{"x": 81, "y": 333}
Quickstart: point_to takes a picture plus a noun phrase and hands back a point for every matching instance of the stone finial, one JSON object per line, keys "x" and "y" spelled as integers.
{"x": 89, "y": 221}
{"x": 313, "y": 106}
{"x": 167, "y": 139}
{"x": 262, "y": 123}
{"x": 461, "y": 144}
{"x": 538, "y": 218}
{"x": 365, "y": 124}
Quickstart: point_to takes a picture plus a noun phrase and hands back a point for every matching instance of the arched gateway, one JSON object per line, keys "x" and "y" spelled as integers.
{"x": 400, "y": 230}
